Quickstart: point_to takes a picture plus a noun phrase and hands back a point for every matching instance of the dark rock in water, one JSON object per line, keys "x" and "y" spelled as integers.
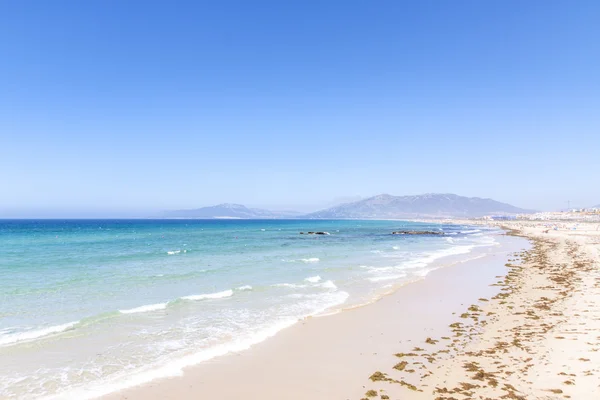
{"x": 417, "y": 233}
{"x": 315, "y": 233}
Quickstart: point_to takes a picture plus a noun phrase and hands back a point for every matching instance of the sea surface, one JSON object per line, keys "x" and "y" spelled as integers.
{"x": 88, "y": 307}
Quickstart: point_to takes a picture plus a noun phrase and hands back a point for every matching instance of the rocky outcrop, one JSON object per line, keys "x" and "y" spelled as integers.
{"x": 315, "y": 233}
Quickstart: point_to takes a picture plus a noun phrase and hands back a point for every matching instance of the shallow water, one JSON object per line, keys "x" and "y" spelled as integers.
{"x": 88, "y": 307}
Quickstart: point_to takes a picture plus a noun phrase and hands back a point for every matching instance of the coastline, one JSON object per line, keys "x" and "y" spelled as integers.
{"x": 518, "y": 325}
{"x": 317, "y": 357}
{"x": 537, "y": 338}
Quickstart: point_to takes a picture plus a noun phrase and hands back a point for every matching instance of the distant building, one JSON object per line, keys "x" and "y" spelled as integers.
{"x": 501, "y": 217}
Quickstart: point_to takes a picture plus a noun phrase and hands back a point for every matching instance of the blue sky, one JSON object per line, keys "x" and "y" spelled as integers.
{"x": 124, "y": 108}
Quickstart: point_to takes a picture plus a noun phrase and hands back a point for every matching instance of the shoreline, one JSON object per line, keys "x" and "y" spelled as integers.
{"x": 205, "y": 379}
{"x": 537, "y": 338}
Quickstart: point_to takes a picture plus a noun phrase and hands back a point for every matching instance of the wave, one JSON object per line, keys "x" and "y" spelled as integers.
{"x": 244, "y": 288}
{"x": 218, "y": 295}
{"x": 288, "y": 285}
{"x": 313, "y": 279}
{"x": 12, "y": 338}
{"x": 471, "y": 231}
{"x": 386, "y": 277}
{"x": 146, "y": 308}
{"x": 328, "y": 285}
{"x": 304, "y": 260}
{"x": 378, "y": 269}
{"x": 421, "y": 265}
{"x": 162, "y": 306}
{"x": 429, "y": 257}
{"x": 35, "y": 334}
{"x": 176, "y": 367}
{"x": 173, "y": 252}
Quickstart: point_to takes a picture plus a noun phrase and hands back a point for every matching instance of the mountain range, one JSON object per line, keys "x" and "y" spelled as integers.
{"x": 232, "y": 211}
{"x": 430, "y": 205}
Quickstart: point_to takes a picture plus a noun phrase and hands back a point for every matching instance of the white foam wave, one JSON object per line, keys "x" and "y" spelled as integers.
{"x": 328, "y": 285}
{"x": 395, "y": 247}
{"x": 316, "y": 306}
{"x": 173, "y": 252}
{"x": 218, "y": 295}
{"x": 471, "y": 231}
{"x": 245, "y": 287}
{"x": 378, "y": 269}
{"x": 176, "y": 367}
{"x": 313, "y": 279}
{"x": 421, "y": 264}
{"x": 35, "y": 334}
{"x": 146, "y": 308}
{"x": 334, "y": 298}
{"x": 310, "y": 260}
{"x": 386, "y": 277}
{"x": 288, "y": 285}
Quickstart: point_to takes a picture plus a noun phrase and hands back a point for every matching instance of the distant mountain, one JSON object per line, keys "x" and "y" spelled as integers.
{"x": 227, "y": 210}
{"x": 426, "y": 205}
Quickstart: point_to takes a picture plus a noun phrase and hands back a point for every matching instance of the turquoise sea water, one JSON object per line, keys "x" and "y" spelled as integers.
{"x": 88, "y": 307}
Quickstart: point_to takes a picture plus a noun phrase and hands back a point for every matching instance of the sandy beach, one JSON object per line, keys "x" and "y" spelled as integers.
{"x": 522, "y": 322}
{"x": 299, "y": 200}
{"x": 536, "y": 339}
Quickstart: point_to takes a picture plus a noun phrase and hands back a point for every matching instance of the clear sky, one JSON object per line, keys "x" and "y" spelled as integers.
{"x": 128, "y": 107}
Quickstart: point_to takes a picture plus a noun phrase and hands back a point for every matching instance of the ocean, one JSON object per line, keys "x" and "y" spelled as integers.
{"x": 88, "y": 307}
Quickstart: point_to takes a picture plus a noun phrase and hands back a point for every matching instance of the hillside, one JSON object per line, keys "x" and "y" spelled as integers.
{"x": 427, "y": 205}
{"x": 227, "y": 210}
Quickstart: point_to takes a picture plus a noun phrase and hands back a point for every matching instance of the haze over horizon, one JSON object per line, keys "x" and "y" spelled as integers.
{"x": 126, "y": 109}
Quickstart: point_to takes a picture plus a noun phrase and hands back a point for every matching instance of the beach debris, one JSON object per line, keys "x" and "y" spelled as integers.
{"x": 401, "y": 365}
{"x": 378, "y": 376}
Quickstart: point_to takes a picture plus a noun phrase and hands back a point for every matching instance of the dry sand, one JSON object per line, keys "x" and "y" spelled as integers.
{"x": 539, "y": 338}
{"x": 533, "y": 334}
